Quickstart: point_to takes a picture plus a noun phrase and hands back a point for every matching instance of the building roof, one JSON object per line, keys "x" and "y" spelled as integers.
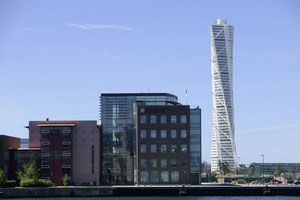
{"x": 57, "y": 123}
{"x": 138, "y": 94}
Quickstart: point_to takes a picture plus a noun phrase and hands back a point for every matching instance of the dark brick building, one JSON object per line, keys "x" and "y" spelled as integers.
{"x": 167, "y": 152}
{"x": 6, "y": 143}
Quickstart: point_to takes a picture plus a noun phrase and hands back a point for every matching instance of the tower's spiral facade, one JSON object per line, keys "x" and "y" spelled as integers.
{"x": 223, "y": 144}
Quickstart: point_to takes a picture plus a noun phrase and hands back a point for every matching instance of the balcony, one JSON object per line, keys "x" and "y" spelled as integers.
{"x": 66, "y": 143}
{"x": 45, "y": 154}
{"x": 65, "y": 154}
{"x": 46, "y": 142}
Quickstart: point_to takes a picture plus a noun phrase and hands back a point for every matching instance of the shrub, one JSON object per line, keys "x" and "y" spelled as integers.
{"x": 66, "y": 180}
{"x": 35, "y": 183}
{"x": 2, "y": 179}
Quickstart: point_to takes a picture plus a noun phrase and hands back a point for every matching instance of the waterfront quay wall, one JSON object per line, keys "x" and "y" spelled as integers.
{"x": 151, "y": 191}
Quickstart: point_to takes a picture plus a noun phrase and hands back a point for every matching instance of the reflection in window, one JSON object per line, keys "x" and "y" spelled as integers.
{"x": 153, "y": 148}
{"x": 183, "y": 133}
{"x": 163, "y": 148}
{"x": 173, "y": 134}
{"x": 173, "y": 163}
{"x": 173, "y": 148}
{"x": 163, "y": 133}
{"x": 143, "y": 148}
{"x": 174, "y": 176}
{"x": 153, "y": 163}
{"x": 164, "y": 176}
{"x": 163, "y": 119}
{"x": 153, "y": 133}
{"x": 154, "y": 177}
{"x": 143, "y": 119}
{"x": 183, "y": 119}
{"x": 183, "y": 148}
{"x": 163, "y": 163}
{"x": 153, "y": 119}
{"x": 144, "y": 177}
{"x": 143, "y": 163}
{"x": 143, "y": 134}
{"x": 173, "y": 119}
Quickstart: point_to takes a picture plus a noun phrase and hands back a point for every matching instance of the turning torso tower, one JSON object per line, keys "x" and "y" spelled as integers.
{"x": 223, "y": 144}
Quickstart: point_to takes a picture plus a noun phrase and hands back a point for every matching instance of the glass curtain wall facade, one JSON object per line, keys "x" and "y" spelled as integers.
{"x": 195, "y": 146}
{"x": 223, "y": 144}
{"x": 118, "y": 133}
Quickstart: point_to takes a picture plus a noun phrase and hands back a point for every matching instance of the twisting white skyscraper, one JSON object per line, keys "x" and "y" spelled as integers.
{"x": 223, "y": 145}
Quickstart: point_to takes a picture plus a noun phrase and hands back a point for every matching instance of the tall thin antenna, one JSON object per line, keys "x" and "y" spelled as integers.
{"x": 186, "y": 97}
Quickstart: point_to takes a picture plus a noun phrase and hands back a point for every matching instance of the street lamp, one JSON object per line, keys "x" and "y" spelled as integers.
{"x": 263, "y": 168}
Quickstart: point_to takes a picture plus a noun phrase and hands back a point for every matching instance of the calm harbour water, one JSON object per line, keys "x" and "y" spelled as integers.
{"x": 169, "y": 198}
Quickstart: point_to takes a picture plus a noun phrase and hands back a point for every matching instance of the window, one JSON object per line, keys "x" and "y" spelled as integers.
{"x": 144, "y": 177}
{"x": 142, "y": 110}
{"x": 183, "y": 119}
{"x": 163, "y": 148}
{"x": 143, "y": 148}
{"x": 173, "y": 119}
{"x": 143, "y": 163}
{"x": 153, "y": 119}
{"x": 183, "y": 133}
{"x": 153, "y": 163}
{"x": 163, "y": 163}
{"x": 173, "y": 163}
{"x": 153, "y": 148}
{"x": 183, "y": 163}
{"x": 174, "y": 176}
{"x": 164, "y": 176}
{"x": 173, "y": 134}
{"x": 153, "y": 133}
{"x": 163, "y": 134}
{"x": 163, "y": 119}
{"x": 143, "y": 134}
{"x": 154, "y": 177}
{"x": 173, "y": 148}
{"x": 143, "y": 119}
{"x": 183, "y": 148}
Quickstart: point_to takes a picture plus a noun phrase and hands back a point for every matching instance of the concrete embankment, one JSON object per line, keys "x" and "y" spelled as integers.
{"x": 152, "y": 191}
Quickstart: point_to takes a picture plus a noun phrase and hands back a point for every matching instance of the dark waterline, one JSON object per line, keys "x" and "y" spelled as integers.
{"x": 167, "y": 198}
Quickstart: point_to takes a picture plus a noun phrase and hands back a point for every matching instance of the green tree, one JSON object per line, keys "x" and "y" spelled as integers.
{"x": 213, "y": 174}
{"x": 66, "y": 180}
{"x": 2, "y": 179}
{"x": 29, "y": 172}
{"x": 236, "y": 171}
{"x": 278, "y": 170}
{"x": 224, "y": 167}
{"x": 250, "y": 172}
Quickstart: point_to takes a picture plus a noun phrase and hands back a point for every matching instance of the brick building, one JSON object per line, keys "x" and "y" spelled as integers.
{"x": 67, "y": 147}
{"x": 168, "y": 145}
{"x": 6, "y": 143}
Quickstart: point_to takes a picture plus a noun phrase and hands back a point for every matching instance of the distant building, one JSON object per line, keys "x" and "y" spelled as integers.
{"x": 120, "y": 130}
{"x": 24, "y": 143}
{"x": 223, "y": 142}
{"x": 269, "y": 168}
{"x": 6, "y": 143}
{"x": 168, "y": 145}
{"x": 67, "y": 147}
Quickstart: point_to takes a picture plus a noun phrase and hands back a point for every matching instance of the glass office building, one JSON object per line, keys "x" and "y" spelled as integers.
{"x": 117, "y": 115}
{"x": 195, "y": 146}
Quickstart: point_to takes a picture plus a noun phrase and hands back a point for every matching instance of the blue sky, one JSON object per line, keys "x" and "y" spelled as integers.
{"x": 56, "y": 57}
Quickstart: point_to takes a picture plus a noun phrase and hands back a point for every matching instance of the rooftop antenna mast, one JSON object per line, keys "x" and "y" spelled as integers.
{"x": 186, "y": 93}
{"x": 186, "y": 97}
